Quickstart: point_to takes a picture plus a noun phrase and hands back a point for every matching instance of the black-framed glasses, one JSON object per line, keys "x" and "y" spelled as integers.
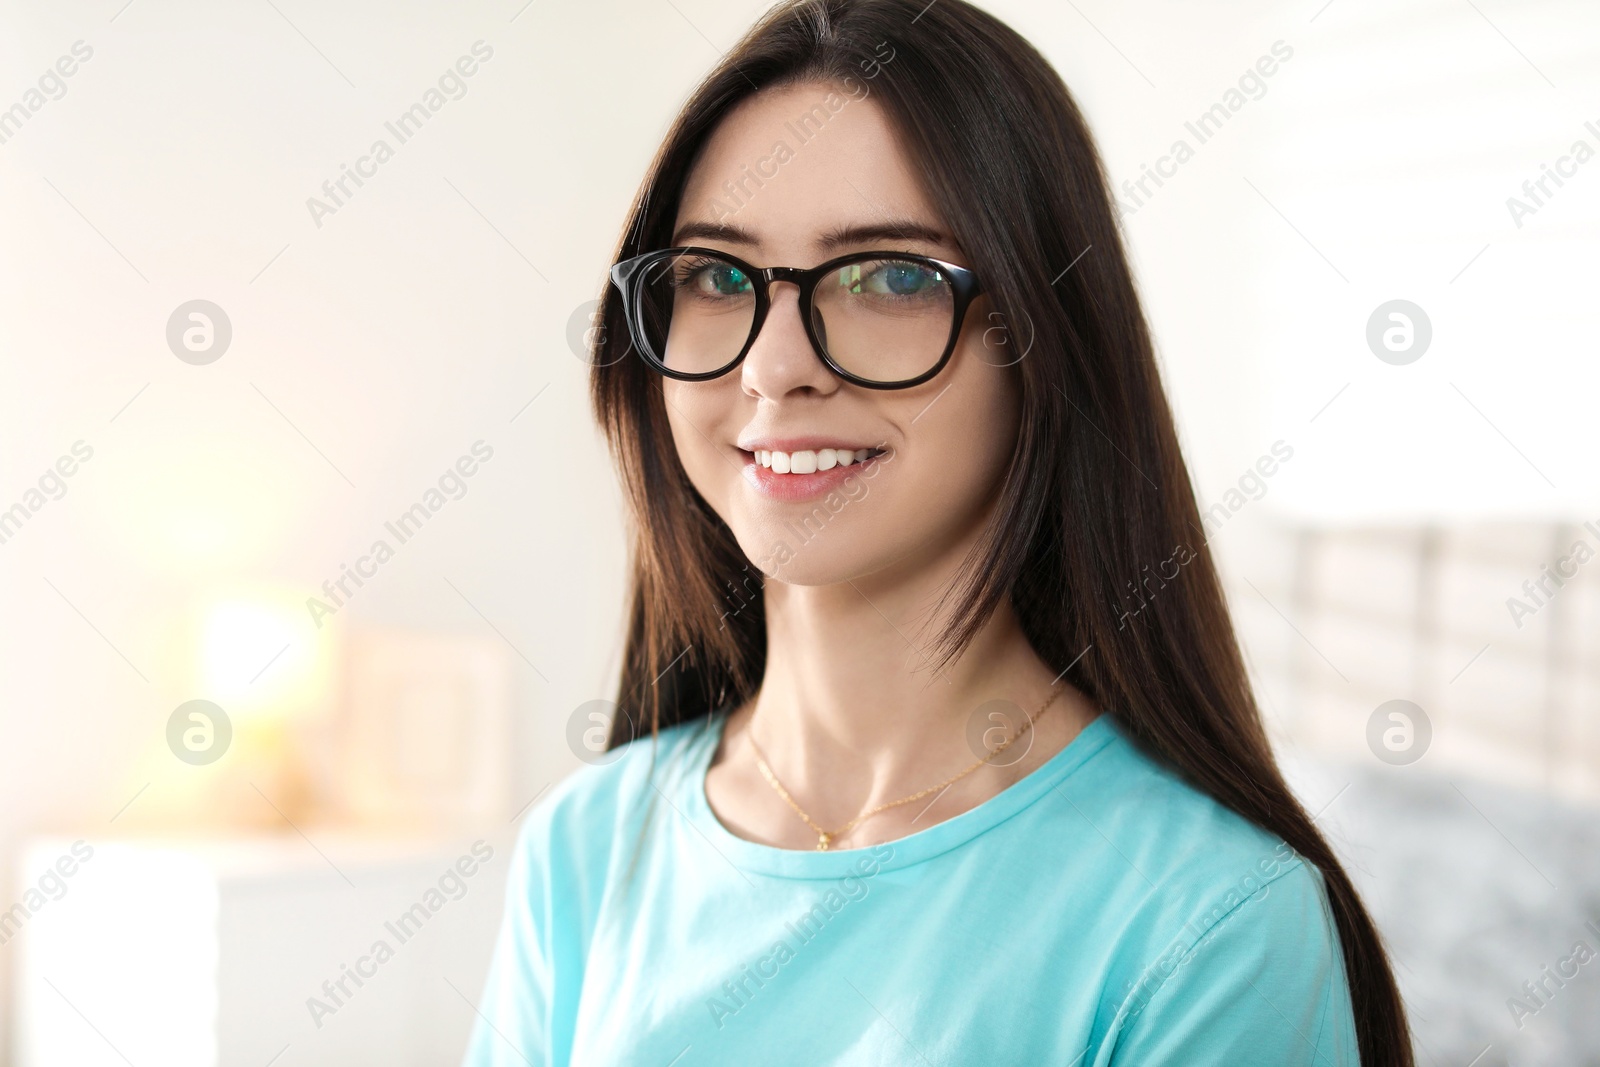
{"x": 883, "y": 320}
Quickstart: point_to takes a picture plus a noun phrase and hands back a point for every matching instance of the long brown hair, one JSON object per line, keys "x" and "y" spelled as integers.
{"x": 1097, "y": 495}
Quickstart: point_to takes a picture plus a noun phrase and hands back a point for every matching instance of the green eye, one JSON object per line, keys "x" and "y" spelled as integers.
{"x": 722, "y": 279}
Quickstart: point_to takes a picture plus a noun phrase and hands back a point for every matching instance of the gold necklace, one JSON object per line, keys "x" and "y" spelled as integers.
{"x": 825, "y": 838}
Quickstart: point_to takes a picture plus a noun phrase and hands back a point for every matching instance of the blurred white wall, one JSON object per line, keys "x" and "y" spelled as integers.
{"x": 373, "y": 346}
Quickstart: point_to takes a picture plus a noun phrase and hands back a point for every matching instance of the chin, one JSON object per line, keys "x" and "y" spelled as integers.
{"x": 797, "y": 552}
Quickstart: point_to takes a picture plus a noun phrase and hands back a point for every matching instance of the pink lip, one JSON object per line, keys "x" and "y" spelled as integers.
{"x": 800, "y": 487}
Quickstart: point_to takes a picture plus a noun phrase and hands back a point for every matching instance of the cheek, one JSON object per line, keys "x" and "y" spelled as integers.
{"x": 972, "y": 428}
{"x": 693, "y": 411}
{"x": 684, "y": 420}
{"x": 963, "y": 444}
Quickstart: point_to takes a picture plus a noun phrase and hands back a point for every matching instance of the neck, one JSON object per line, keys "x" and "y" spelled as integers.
{"x": 852, "y": 712}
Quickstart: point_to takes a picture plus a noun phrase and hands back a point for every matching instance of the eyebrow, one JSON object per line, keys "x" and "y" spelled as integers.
{"x": 892, "y": 229}
{"x": 838, "y": 237}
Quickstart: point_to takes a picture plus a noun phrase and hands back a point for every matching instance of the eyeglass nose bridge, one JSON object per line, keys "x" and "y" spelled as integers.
{"x": 801, "y": 278}
{"x": 795, "y": 275}
{"x": 784, "y": 274}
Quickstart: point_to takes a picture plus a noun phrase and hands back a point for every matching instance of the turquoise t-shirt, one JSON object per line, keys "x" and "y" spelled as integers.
{"x": 1097, "y": 912}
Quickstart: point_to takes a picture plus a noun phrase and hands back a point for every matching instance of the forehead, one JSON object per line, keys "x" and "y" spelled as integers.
{"x": 789, "y": 165}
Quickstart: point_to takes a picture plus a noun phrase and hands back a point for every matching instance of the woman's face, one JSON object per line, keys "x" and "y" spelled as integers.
{"x": 846, "y": 187}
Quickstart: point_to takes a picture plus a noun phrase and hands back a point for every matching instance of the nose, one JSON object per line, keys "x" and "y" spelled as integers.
{"x": 781, "y": 361}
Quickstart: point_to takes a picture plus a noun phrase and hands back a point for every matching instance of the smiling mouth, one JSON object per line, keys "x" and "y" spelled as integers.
{"x": 810, "y": 461}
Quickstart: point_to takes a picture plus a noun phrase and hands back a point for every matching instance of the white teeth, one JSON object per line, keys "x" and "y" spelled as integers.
{"x": 807, "y": 461}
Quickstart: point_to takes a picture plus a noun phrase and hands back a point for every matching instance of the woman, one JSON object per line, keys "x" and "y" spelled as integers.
{"x": 952, "y": 757}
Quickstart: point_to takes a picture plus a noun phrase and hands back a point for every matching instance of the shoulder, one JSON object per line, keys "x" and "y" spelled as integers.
{"x": 1182, "y": 846}
{"x": 1227, "y": 944}
{"x": 1265, "y": 981}
{"x": 567, "y": 850}
{"x": 583, "y": 816}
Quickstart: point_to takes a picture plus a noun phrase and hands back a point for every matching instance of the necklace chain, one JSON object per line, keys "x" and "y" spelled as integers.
{"x": 825, "y": 838}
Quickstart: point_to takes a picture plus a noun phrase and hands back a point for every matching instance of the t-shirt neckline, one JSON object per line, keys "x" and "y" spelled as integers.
{"x": 754, "y": 857}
